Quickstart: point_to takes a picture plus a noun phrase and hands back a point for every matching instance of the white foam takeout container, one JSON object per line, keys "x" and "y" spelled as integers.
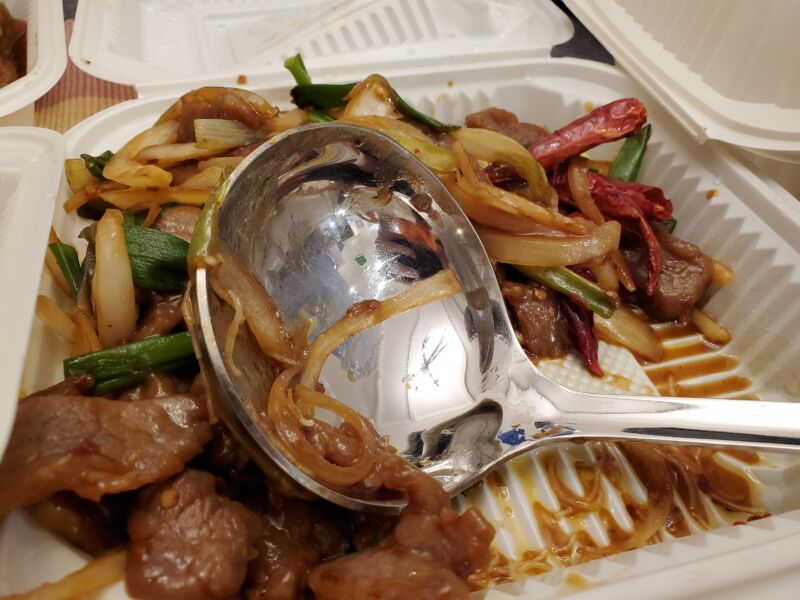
{"x": 728, "y": 70}
{"x": 451, "y": 58}
{"x": 47, "y": 59}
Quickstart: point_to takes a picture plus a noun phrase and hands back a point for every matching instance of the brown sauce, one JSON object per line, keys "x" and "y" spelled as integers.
{"x": 671, "y": 331}
{"x": 661, "y": 374}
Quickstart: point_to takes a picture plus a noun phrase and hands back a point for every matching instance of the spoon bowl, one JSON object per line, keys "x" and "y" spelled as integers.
{"x": 328, "y": 215}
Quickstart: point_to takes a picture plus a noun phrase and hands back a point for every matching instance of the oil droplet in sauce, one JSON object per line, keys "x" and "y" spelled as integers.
{"x": 575, "y": 581}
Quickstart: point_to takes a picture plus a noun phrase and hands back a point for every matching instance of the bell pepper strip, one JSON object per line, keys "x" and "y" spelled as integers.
{"x": 580, "y": 325}
{"x": 628, "y": 161}
{"x": 606, "y": 123}
{"x": 670, "y": 224}
{"x": 580, "y": 289}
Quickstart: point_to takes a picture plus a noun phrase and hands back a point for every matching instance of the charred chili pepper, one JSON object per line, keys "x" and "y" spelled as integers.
{"x": 628, "y": 161}
{"x": 581, "y": 334}
{"x": 604, "y": 124}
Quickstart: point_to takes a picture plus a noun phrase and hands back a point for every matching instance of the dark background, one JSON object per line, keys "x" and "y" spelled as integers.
{"x": 582, "y": 45}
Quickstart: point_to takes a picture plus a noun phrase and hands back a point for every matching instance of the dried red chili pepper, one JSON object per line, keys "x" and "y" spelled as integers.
{"x": 604, "y": 124}
{"x": 619, "y": 206}
{"x": 650, "y": 199}
{"x": 622, "y": 200}
{"x": 581, "y": 333}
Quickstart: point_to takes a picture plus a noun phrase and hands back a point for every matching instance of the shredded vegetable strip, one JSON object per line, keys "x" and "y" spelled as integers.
{"x": 54, "y": 318}
{"x": 470, "y": 191}
{"x": 550, "y": 251}
{"x": 291, "y": 404}
{"x": 231, "y": 334}
{"x": 708, "y": 326}
{"x": 369, "y": 313}
{"x": 96, "y": 575}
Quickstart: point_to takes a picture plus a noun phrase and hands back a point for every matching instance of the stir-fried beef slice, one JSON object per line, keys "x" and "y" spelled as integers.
{"x": 178, "y": 220}
{"x": 188, "y": 541}
{"x": 540, "y": 323}
{"x": 297, "y": 536}
{"x": 161, "y": 318}
{"x": 385, "y": 575}
{"x": 507, "y": 123}
{"x": 684, "y": 279}
{"x": 96, "y": 446}
{"x": 157, "y": 385}
{"x": 430, "y": 553}
{"x": 92, "y": 527}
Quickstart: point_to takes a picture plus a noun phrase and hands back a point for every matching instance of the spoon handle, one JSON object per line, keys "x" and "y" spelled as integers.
{"x": 725, "y": 423}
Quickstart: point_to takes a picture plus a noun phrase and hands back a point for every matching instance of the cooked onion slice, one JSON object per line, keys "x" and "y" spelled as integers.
{"x": 373, "y": 96}
{"x": 169, "y": 155}
{"x": 123, "y": 167}
{"x": 625, "y": 328}
{"x": 708, "y": 326}
{"x": 369, "y": 313}
{"x": 113, "y": 294}
{"x": 484, "y": 202}
{"x": 83, "y": 583}
{"x": 579, "y": 188}
{"x": 135, "y": 197}
{"x": 49, "y": 313}
{"x": 495, "y": 147}
{"x": 550, "y": 251}
{"x": 259, "y": 309}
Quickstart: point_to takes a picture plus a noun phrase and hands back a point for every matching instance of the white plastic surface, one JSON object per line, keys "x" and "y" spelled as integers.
{"x": 750, "y": 226}
{"x": 728, "y": 70}
{"x": 30, "y": 165}
{"x": 47, "y": 59}
{"x": 157, "y": 45}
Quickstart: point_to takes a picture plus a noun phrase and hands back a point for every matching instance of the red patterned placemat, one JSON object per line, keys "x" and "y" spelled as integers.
{"x": 77, "y": 96}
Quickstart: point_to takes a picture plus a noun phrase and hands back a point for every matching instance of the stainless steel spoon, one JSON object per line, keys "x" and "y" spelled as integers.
{"x": 331, "y": 214}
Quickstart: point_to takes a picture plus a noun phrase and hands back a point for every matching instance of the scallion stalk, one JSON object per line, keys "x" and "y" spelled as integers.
{"x": 67, "y": 259}
{"x": 125, "y": 365}
{"x": 568, "y": 282}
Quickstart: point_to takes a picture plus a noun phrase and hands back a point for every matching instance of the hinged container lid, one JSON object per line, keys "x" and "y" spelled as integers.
{"x": 727, "y": 70}
{"x": 30, "y": 173}
{"x": 157, "y": 45}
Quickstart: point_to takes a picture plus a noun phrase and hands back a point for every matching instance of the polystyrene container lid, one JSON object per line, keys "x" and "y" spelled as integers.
{"x": 30, "y": 173}
{"x": 186, "y": 43}
{"x": 47, "y": 56}
{"x": 727, "y": 70}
